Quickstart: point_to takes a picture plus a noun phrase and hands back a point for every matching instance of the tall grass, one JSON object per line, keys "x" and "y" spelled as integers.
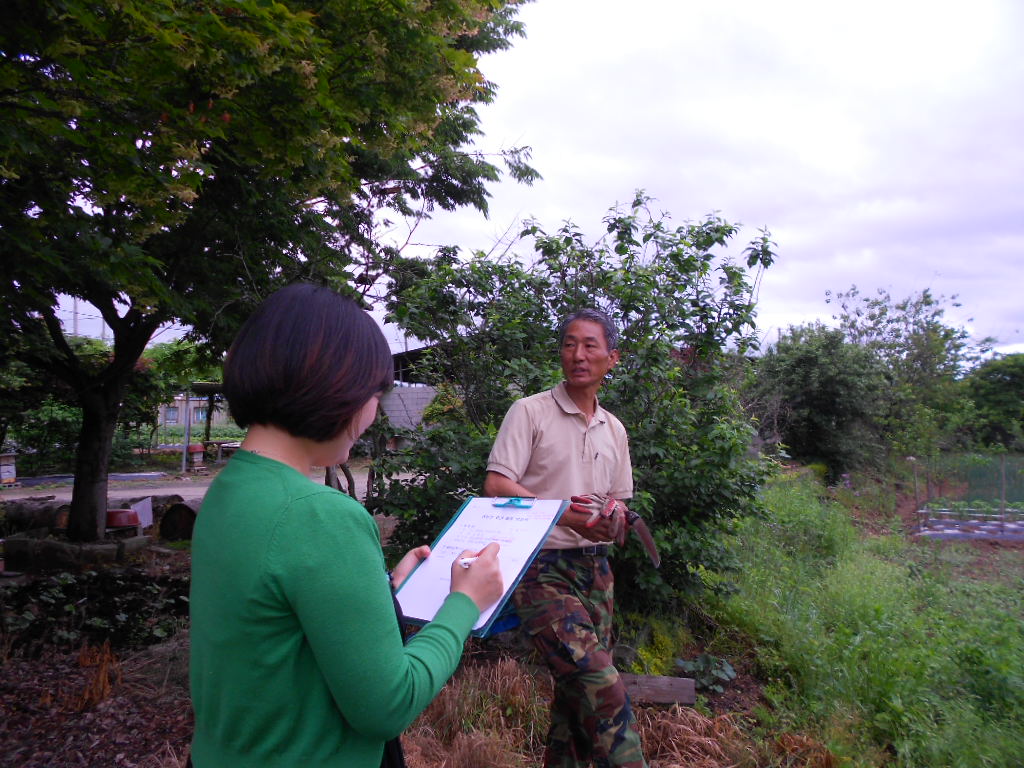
{"x": 874, "y": 643}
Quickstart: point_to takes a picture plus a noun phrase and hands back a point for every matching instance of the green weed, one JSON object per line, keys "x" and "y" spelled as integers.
{"x": 122, "y": 606}
{"x": 652, "y": 643}
{"x": 877, "y": 635}
{"x": 709, "y": 672}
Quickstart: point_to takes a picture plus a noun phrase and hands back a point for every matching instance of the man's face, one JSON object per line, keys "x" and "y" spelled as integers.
{"x": 585, "y": 355}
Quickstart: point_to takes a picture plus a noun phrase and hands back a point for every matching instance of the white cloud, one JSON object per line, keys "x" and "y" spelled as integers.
{"x": 879, "y": 141}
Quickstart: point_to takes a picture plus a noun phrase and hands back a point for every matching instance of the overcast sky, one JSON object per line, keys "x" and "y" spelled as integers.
{"x": 881, "y": 142}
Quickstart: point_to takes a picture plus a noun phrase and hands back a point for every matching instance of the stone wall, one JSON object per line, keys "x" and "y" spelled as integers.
{"x": 404, "y": 405}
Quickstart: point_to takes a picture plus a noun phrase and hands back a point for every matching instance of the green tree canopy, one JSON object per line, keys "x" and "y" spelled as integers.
{"x": 924, "y": 357}
{"x": 167, "y": 160}
{"x": 821, "y": 395}
{"x": 997, "y": 389}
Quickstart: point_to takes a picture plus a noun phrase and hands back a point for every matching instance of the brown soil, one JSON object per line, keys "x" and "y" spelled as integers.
{"x": 94, "y": 709}
{"x": 741, "y": 696}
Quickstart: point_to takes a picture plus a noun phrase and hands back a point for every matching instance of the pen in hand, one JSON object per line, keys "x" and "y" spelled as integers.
{"x": 482, "y": 582}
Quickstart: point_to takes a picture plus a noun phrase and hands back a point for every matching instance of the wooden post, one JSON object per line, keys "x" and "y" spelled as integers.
{"x": 1002, "y": 493}
{"x": 917, "y": 500}
{"x": 660, "y": 689}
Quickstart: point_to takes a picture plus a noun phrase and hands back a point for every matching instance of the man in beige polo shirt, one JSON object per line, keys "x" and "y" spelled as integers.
{"x": 556, "y": 445}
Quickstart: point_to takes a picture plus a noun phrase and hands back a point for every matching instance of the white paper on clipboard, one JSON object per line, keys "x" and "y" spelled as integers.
{"x": 520, "y": 529}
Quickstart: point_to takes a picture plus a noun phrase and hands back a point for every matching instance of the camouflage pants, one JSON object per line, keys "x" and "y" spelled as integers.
{"x": 565, "y": 602}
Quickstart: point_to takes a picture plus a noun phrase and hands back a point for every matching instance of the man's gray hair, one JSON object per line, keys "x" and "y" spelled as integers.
{"x": 611, "y": 333}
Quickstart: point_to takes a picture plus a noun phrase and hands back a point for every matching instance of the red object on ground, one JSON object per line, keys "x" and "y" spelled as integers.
{"x": 121, "y": 518}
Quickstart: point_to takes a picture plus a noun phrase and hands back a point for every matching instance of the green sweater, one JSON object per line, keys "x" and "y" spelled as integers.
{"x": 297, "y": 658}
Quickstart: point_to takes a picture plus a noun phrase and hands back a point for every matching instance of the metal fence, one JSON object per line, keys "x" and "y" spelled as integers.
{"x": 969, "y": 477}
{"x": 970, "y": 496}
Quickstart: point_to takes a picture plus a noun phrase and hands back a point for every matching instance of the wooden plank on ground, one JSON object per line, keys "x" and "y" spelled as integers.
{"x": 660, "y": 689}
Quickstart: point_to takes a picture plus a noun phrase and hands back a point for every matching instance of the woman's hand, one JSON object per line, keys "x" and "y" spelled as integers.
{"x": 481, "y": 581}
{"x": 407, "y": 564}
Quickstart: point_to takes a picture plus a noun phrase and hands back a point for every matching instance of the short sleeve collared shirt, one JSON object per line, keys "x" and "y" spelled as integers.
{"x": 545, "y": 444}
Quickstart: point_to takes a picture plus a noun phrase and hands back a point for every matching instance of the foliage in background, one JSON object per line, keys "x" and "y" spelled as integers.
{"x": 887, "y": 384}
{"x": 997, "y": 389}
{"x": 924, "y": 357}
{"x": 821, "y": 397}
{"x": 45, "y": 434}
{"x": 876, "y": 642}
{"x": 180, "y": 363}
{"x": 46, "y": 438}
{"x": 21, "y": 391}
{"x": 680, "y": 306}
{"x": 164, "y": 160}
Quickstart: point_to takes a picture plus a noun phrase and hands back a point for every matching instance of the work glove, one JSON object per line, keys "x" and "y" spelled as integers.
{"x": 625, "y": 519}
{"x": 598, "y": 506}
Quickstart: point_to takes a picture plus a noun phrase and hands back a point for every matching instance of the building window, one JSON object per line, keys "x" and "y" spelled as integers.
{"x": 198, "y": 415}
{"x": 171, "y": 414}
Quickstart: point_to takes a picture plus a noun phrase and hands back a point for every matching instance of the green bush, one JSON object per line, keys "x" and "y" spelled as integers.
{"x": 820, "y": 394}
{"x": 918, "y": 661}
{"x": 47, "y": 438}
{"x": 709, "y": 673}
{"x": 491, "y": 326}
{"x": 649, "y": 645}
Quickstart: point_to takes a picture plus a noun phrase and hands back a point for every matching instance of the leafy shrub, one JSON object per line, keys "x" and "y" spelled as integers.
{"x": 820, "y": 394}
{"x": 649, "y": 645}
{"x": 127, "y": 607}
{"x": 47, "y": 438}
{"x": 490, "y": 324}
{"x": 915, "y": 660}
{"x": 423, "y": 483}
{"x": 709, "y": 672}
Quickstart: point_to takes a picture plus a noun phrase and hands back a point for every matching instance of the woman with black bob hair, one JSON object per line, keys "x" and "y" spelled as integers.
{"x": 297, "y": 657}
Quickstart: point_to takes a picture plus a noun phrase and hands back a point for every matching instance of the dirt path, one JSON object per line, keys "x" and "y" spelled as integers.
{"x": 186, "y": 486}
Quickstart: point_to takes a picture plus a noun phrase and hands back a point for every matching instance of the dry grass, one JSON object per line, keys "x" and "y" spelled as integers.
{"x": 106, "y": 676}
{"x": 168, "y": 757}
{"x": 802, "y": 750}
{"x": 681, "y": 737}
{"x": 491, "y": 714}
{"x": 494, "y": 715}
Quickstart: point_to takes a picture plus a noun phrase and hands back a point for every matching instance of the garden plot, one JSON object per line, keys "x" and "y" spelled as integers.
{"x": 976, "y": 520}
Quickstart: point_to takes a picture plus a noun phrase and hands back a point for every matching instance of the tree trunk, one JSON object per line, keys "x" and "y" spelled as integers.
{"x": 331, "y": 478}
{"x": 26, "y": 514}
{"x": 178, "y": 521}
{"x": 209, "y": 417}
{"x": 99, "y": 394}
{"x": 378, "y": 445}
{"x": 87, "y": 518}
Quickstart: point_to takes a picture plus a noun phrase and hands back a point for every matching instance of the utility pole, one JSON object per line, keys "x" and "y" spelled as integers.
{"x": 188, "y": 432}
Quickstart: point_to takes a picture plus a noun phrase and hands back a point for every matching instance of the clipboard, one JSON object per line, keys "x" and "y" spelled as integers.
{"x": 520, "y": 526}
